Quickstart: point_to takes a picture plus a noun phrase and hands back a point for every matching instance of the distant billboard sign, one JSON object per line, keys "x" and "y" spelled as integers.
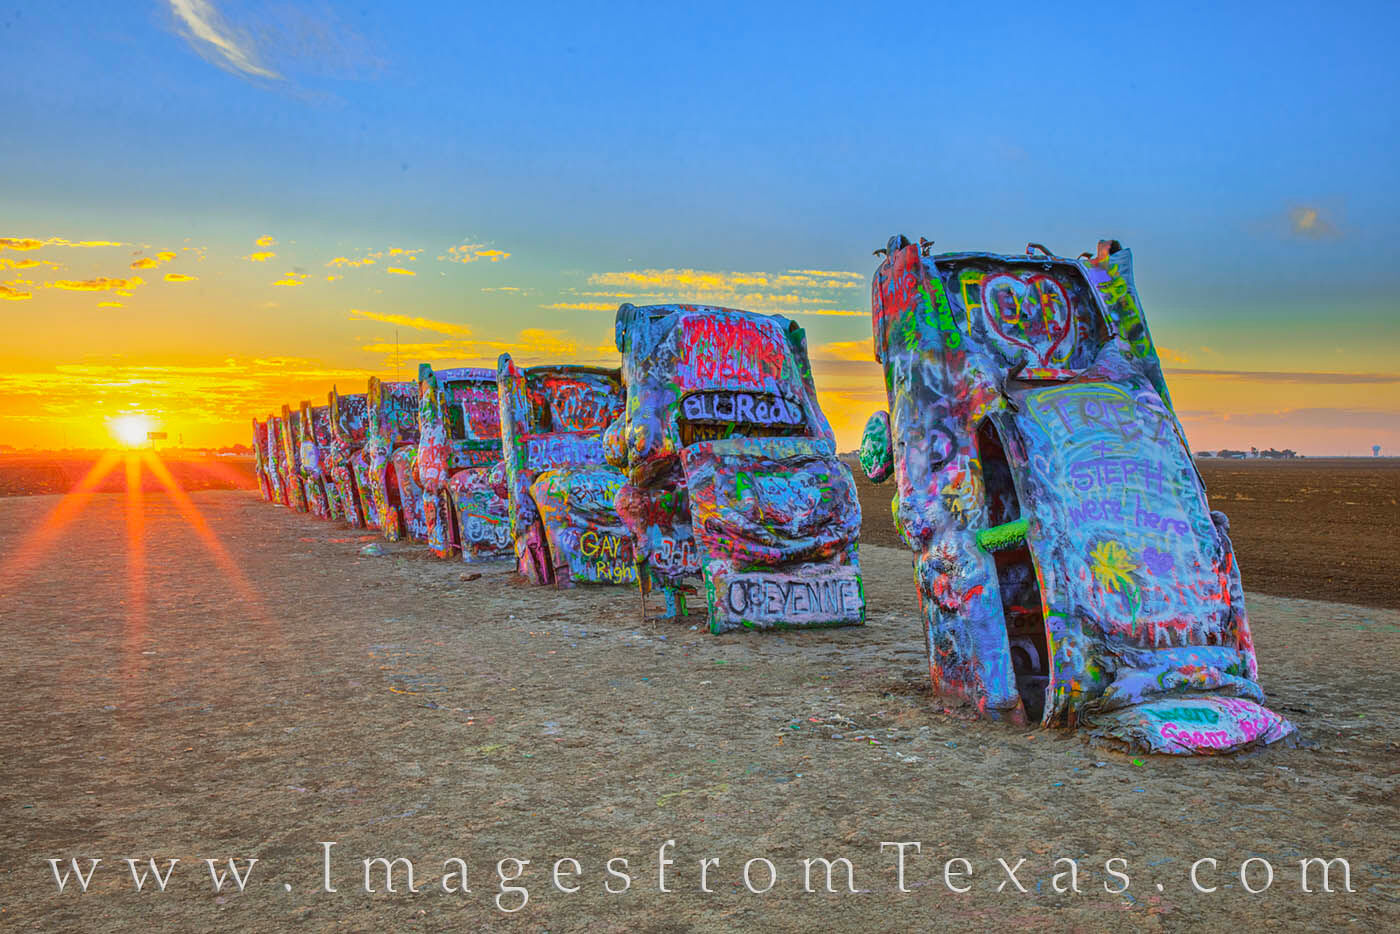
{"x": 155, "y": 436}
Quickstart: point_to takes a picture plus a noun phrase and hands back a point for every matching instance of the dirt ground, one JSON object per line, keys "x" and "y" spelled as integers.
{"x": 27, "y": 473}
{"x": 1321, "y": 528}
{"x": 253, "y": 686}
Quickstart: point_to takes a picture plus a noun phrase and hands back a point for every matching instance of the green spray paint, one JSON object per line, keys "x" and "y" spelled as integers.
{"x": 1003, "y": 537}
{"x": 944, "y": 316}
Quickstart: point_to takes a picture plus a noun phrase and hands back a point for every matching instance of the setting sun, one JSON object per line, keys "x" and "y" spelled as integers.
{"x": 130, "y": 430}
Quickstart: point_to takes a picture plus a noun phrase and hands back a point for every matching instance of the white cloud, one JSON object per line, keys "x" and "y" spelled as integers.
{"x": 206, "y": 31}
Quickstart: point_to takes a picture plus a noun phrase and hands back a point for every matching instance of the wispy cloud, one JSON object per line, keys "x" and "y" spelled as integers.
{"x": 530, "y": 344}
{"x": 152, "y": 262}
{"x": 845, "y": 350}
{"x": 824, "y": 292}
{"x": 28, "y": 263}
{"x": 266, "y": 240}
{"x": 261, "y": 256}
{"x": 179, "y": 277}
{"x": 1287, "y": 376}
{"x": 471, "y": 252}
{"x": 583, "y": 306}
{"x": 724, "y": 282}
{"x": 32, "y": 243}
{"x": 400, "y": 271}
{"x": 99, "y": 284}
{"x": 412, "y": 321}
{"x": 60, "y": 241}
{"x": 204, "y": 28}
{"x": 1307, "y": 221}
{"x": 13, "y": 295}
{"x": 292, "y": 278}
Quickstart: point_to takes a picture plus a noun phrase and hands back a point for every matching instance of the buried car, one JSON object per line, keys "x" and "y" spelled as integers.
{"x": 348, "y": 462}
{"x": 559, "y": 487}
{"x": 732, "y": 470}
{"x": 282, "y": 434}
{"x": 265, "y": 465}
{"x": 391, "y": 452}
{"x": 314, "y": 447}
{"x": 459, "y": 463}
{"x": 1068, "y": 565}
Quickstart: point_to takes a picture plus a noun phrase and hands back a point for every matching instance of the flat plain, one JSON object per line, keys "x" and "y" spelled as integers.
{"x": 230, "y": 678}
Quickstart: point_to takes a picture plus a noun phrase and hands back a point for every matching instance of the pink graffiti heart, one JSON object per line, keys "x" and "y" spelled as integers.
{"x": 1029, "y": 311}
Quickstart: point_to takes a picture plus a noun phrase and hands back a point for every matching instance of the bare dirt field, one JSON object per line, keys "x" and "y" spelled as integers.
{"x": 165, "y": 699}
{"x": 27, "y": 473}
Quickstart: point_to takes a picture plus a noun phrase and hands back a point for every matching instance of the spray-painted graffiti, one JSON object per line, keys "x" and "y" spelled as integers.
{"x": 731, "y": 472}
{"x": 559, "y": 491}
{"x": 313, "y": 432}
{"x": 349, "y": 417}
{"x": 458, "y": 445}
{"x": 777, "y": 599}
{"x": 391, "y": 446}
{"x": 483, "y": 520}
{"x": 1068, "y": 564}
{"x": 265, "y": 465}
{"x": 287, "y": 428}
{"x": 552, "y": 452}
{"x": 1201, "y": 725}
{"x": 749, "y": 408}
{"x": 276, "y": 471}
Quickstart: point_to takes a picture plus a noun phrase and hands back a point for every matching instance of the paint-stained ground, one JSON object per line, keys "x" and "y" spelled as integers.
{"x": 293, "y": 692}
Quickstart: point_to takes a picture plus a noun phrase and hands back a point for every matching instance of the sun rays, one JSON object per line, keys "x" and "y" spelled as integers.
{"x": 138, "y": 512}
{"x": 34, "y": 545}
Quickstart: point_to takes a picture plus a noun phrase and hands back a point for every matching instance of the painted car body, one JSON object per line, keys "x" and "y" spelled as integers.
{"x": 276, "y": 469}
{"x": 284, "y": 432}
{"x": 460, "y": 467}
{"x": 1068, "y": 565}
{"x": 732, "y": 470}
{"x": 314, "y": 447}
{"x": 312, "y": 498}
{"x": 560, "y": 488}
{"x": 349, "y": 464}
{"x": 391, "y": 453}
{"x": 269, "y": 484}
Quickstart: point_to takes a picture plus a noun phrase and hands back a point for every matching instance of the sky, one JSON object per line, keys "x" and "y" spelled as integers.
{"x": 212, "y": 207}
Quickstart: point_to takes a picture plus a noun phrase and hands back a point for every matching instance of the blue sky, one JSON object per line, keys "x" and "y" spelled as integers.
{"x": 1247, "y": 153}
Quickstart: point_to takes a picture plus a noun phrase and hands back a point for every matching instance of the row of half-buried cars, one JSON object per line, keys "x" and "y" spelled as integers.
{"x": 1068, "y": 565}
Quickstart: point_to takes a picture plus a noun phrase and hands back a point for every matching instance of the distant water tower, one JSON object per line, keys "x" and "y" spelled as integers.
{"x": 1375, "y": 450}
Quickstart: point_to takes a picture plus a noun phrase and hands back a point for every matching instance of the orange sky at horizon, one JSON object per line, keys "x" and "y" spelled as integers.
{"x": 218, "y": 336}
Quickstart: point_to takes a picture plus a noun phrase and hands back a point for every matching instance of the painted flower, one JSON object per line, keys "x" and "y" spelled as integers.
{"x": 1113, "y": 566}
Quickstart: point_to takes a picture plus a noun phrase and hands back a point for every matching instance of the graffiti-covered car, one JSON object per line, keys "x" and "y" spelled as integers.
{"x": 349, "y": 464}
{"x": 732, "y": 471}
{"x": 459, "y": 463}
{"x": 391, "y": 449}
{"x": 314, "y": 446}
{"x": 1068, "y": 564}
{"x": 559, "y": 486}
{"x": 265, "y": 465}
{"x": 310, "y": 499}
{"x": 283, "y": 433}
